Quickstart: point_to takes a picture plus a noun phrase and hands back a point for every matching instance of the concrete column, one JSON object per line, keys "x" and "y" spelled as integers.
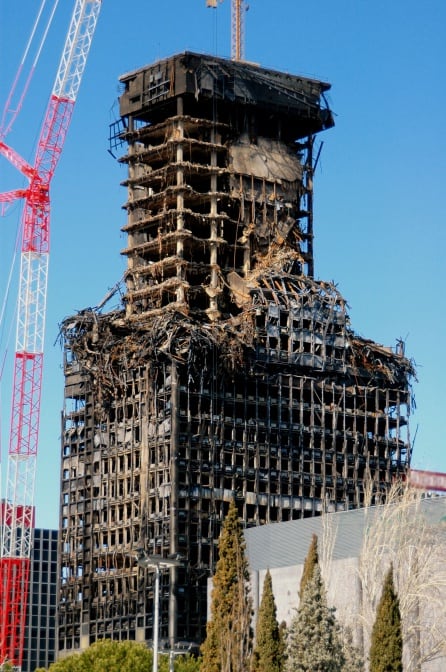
{"x": 213, "y": 293}
{"x": 179, "y": 135}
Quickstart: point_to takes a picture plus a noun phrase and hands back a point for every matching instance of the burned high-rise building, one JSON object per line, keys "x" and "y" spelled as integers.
{"x": 230, "y": 372}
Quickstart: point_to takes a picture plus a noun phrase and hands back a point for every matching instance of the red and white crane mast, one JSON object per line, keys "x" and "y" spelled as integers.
{"x": 17, "y": 508}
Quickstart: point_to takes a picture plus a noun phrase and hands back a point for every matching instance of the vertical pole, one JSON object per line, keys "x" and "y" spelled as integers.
{"x": 156, "y": 618}
{"x": 174, "y": 443}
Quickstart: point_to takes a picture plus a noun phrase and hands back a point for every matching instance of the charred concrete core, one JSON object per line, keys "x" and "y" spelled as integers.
{"x": 230, "y": 372}
{"x": 220, "y": 158}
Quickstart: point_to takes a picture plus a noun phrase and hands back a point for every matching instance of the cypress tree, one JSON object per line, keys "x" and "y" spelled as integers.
{"x": 314, "y": 640}
{"x": 283, "y": 633}
{"x": 227, "y": 646}
{"x": 310, "y": 563}
{"x": 354, "y": 661}
{"x": 386, "y": 649}
{"x": 268, "y": 650}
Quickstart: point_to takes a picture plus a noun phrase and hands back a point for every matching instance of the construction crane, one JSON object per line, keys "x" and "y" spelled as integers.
{"x": 238, "y": 9}
{"x": 17, "y": 508}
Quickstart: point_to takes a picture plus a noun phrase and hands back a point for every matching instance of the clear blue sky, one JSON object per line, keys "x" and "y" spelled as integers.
{"x": 380, "y": 210}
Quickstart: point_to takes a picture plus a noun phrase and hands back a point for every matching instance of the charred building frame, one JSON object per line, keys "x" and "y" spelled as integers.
{"x": 230, "y": 372}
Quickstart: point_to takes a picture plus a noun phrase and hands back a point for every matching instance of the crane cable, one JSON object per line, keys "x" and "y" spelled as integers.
{"x": 5, "y": 303}
{"x": 7, "y": 108}
{"x": 3, "y": 132}
{"x": 7, "y": 340}
{"x": 5, "y": 128}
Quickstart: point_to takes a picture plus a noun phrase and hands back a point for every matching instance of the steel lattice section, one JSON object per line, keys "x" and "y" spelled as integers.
{"x": 80, "y": 34}
{"x": 32, "y": 302}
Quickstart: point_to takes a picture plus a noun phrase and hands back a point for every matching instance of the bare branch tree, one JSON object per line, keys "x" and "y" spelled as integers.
{"x": 329, "y": 534}
{"x": 398, "y": 532}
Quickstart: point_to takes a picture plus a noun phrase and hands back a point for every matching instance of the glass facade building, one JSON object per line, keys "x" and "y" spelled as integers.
{"x": 40, "y": 636}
